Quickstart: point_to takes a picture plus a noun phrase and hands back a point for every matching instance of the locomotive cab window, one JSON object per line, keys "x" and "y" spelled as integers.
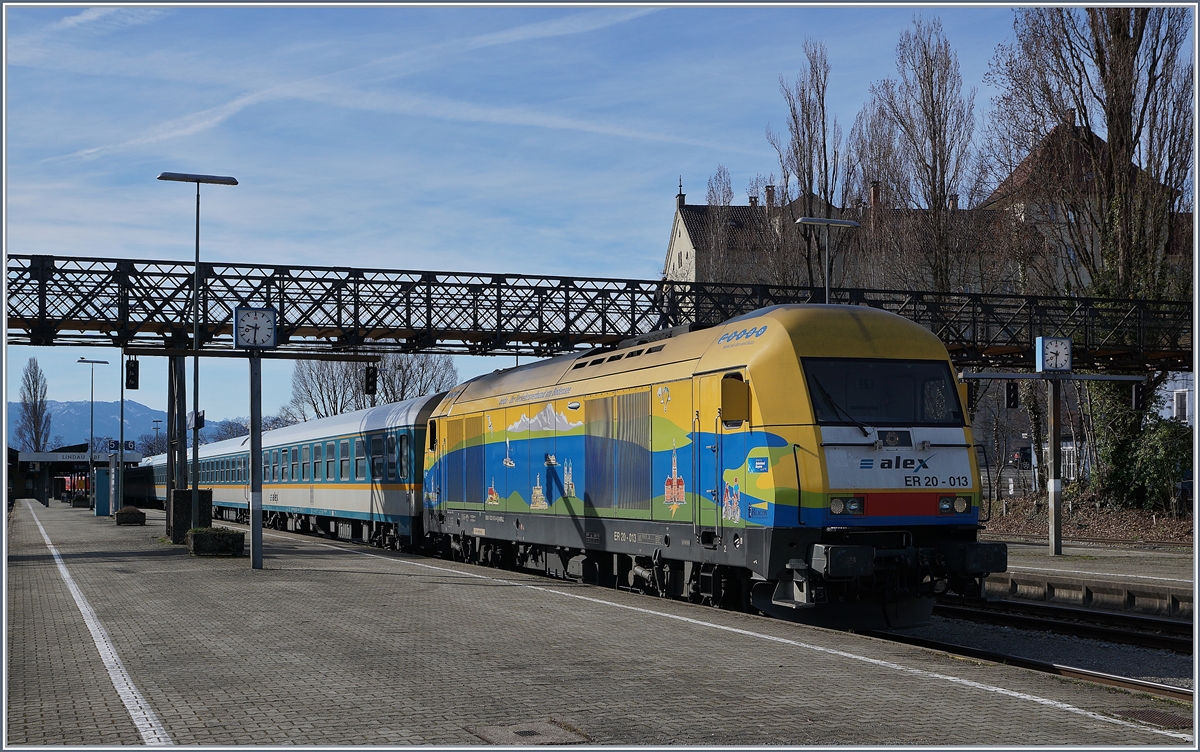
{"x": 859, "y": 391}
{"x": 433, "y": 435}
{"x": 735, "y": 400}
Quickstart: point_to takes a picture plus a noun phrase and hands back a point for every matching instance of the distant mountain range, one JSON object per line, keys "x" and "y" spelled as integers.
{"x": 70, "y": 420}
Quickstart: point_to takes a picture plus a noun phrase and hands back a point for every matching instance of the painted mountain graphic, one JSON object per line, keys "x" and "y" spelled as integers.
{"x": 546, "y": 420}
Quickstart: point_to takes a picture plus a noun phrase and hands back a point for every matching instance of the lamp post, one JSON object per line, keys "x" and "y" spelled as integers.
{"x": 92, "y": 428}
{"x": 826, "y": 223}
{"x": 183, "y": 177}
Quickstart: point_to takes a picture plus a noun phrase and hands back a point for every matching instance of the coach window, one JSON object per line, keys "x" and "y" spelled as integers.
{"x": 390, "y": 457}
{"x": 377, "y": 458}
{"x": 295, "y": 464}
{"x": 330, "y": 460}
{"x": 345, "y": 458}
{"x": 266, "y": 466}
{"x": 304, "y": 450}
{"x": 316, "y": 460}
{"x": 360, "y": 459}
{"x": 275, "y": 465}
{"x": 402, "y": 455}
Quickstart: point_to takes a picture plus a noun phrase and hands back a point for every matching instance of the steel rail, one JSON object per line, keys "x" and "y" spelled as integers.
{"x": 105, "y": 301}
{"x": 1069, "y": 672}
{"x": 1126, "y": 629}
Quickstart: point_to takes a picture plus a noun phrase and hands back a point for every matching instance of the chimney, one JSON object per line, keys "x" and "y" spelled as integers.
{"x": 953, "y": 202}
{"x": 753, "y": 201}
{"x": 875, "y": 195}
{"x": 770, "y": 195}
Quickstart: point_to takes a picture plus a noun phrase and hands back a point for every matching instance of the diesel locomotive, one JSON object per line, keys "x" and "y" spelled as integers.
{"x": 814, "y": 463}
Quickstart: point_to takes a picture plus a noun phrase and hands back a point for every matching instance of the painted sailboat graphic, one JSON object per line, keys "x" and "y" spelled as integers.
{"x": 508, "y": 462}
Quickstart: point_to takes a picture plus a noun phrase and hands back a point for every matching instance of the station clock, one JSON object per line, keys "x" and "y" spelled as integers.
{"x": 255, "y": 328}
{"x": 1053, "y": 354}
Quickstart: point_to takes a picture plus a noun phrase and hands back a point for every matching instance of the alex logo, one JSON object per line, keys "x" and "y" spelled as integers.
{"x": 743, "y": 334}
{"x": 909, "y": 463}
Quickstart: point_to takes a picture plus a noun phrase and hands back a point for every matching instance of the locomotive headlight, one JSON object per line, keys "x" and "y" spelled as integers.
{"x": 846, "y": 505}
{"x": 954, "y": 505}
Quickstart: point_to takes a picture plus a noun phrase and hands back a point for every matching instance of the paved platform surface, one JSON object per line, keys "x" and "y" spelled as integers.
{"x": 1174, "y": 565}
{"x": 336, "y": 644}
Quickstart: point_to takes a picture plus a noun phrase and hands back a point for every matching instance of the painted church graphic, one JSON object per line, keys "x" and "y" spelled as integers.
{"x": 673, "y": 492}
{"x": 538, "y": 497}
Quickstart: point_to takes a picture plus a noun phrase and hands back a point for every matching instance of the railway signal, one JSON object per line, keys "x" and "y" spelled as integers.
{"x": 1012, "y": 395}
{"x": 1139, "y": 396}
{"x": 372, "y": 381}
{"x": 131, "y": 374}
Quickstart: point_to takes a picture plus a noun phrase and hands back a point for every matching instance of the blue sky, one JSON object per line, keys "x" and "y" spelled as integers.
{"x": 492, "y": 139}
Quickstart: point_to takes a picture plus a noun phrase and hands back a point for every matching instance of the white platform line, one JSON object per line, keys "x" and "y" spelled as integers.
{"x": 140, "y": 712}
{"x": 771, "y": 638}
{"x": 1122, "y": 575}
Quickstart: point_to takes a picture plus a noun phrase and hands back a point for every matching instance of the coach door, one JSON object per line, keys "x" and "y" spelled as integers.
{"x": 722, "y": 414}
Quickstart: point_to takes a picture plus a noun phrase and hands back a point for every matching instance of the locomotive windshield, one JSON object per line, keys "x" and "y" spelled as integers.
{"x": 856, "y": 391}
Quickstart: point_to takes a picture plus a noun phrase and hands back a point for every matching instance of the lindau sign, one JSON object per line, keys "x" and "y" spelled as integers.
{"x": 98, "y": 457}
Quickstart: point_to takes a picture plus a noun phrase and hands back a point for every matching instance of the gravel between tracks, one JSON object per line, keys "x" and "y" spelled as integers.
{"x": 1161, "y": 666}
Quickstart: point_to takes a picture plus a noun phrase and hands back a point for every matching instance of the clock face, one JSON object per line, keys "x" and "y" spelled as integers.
{"x": 1056, "y": 354}
{"x": 255, "y": 327}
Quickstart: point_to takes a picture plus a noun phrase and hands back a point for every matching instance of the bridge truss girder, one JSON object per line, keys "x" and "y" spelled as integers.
{"x": 125, "y": 302}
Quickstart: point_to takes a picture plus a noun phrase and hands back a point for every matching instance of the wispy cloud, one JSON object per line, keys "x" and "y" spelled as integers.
{"x": 29, "y": 48}
{"x": 338, "y": 88}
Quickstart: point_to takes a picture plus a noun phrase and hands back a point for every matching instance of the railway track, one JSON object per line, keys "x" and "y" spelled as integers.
{"x": 1070, "y": 672}
{"x": 1124, "y": 628}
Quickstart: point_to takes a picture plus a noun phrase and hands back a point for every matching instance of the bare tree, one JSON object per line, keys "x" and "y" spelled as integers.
{"x": 719, "y": 261}
{"x": 151, "y": 444}
{"x": 324, "y": 388}
{"x": 403, "y": 376}
{"x": 934, "y": 122}
{"x": 227, "y": 429}
{"x": 1116, "y": 182}
{"x": 33, "y": 424}
{"x": 810, "y": 165}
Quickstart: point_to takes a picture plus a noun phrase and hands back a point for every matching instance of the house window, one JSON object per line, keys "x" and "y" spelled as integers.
{"x": 1181, "y": 405}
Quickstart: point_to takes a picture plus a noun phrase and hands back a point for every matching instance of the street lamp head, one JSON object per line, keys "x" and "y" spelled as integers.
{"x": 186, "y": 177}
{"x": 827, "y": 222}
{"x": 93, "y": 362}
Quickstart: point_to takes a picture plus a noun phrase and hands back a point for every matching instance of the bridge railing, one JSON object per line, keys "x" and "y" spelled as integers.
{"x": 84, "y": 301}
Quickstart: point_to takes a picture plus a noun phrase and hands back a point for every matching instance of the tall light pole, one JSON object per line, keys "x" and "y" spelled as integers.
{"x": 183, "y": 177}
{"x": 92, "y": 429}
{"x": 156, "y": 421}
{"x": 826, "y": 223}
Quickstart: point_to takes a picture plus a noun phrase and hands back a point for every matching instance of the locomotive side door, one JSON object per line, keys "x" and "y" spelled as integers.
{"x": 720, "y": 420}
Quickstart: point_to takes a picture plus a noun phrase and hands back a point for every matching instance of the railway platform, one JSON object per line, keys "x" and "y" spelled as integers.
{"x": 1142, "y": 578}
{"x": 115, "y": 636}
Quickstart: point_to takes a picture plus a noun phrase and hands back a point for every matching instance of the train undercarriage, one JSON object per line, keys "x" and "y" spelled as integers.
{"x": 885, "y": 579}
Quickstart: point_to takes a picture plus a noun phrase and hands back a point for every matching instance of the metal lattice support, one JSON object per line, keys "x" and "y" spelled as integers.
{"x": 122, "y": 302}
